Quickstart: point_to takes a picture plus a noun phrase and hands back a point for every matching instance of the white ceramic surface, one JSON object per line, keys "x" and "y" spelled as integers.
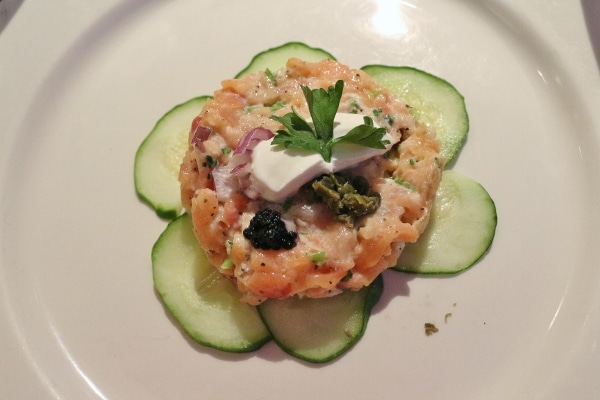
{"x": 81, "y": 84}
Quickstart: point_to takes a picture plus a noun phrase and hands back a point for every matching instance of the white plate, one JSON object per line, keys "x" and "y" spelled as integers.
{"x": 83, "y": 83}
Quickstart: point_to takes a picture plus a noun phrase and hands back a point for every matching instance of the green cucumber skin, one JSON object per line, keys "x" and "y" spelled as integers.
{"x": 144, "y": 189}
{"x": 146, "y": 186}
{"x": 430, "y": 255}
{"x": 275, "y": 57}
{"x": 370, "y": 297}
{"x": 204, "y": 303}
{"x": 412, "y": 84}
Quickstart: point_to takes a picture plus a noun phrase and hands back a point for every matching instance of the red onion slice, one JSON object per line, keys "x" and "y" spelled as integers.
{"x": 235, "y": 175}
{"x": 225, "y": 183}
{"x": 252, "y": 138}
{"x": 200, "y": 134}
{"x": 239, "y": 163}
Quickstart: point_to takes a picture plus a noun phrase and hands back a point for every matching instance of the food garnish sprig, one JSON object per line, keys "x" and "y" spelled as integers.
{"x": 323, "y": 106}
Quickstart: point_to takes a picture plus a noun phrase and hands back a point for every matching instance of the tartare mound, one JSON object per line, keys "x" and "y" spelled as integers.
{"x": 329, "y": 255}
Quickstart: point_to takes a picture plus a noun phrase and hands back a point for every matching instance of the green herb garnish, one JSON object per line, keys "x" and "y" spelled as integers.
{"x": 347, "y": 277}
{"x": 211, "y": 162}
{"x": 227, "y": 264}
{"x": 249, "y": 109}
{"x": 271, "y": 76}
{"x": 323, "y": 105}
{"x": 318, "y": 258}
{"x": 278, "y": 105}
{"x": 355, "y": 106}
{"x": 406, "y": 184}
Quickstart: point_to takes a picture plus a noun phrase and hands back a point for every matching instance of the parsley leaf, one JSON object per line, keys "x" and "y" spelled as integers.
{"x": 365, "y": 135}
{"x": 322, "y": 106}
{"x": 299, "y": 134}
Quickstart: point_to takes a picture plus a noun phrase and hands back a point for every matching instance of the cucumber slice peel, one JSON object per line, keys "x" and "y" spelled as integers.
{"x": 275, "y": 58}
{"x": 205, "y": 304}
{"x": 157, "y": 160}
{"x": 319, "y": 330}
{"x": 433, "y": 100}
{"x": 461, "y": 229}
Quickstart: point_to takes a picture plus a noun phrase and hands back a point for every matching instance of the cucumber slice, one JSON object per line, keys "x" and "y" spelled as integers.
{"x": 461, "y": 229}
{"x": 206, "y": 305}
{"x": 319, "y": 330}
{"x": 434, "y": 101}
{"x": 276, "y": 57}
{"x": 157, "y": 160}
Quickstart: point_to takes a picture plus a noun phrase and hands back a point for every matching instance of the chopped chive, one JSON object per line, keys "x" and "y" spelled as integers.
{"x": 249, "y": 109}
{"x": 347, "y": 277}
{"x": 406, "y": 184}
{"x": 278, "y": 105}
{"x": 211, "y": 161}
{"x": 227, "y": 264}
{"x": 355, "y": 106}
{"x": 271, "y": 76}
{"x": 318, "y": 258}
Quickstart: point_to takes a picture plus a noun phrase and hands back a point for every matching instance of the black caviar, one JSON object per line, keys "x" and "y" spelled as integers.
{"x": 268, "y": 232}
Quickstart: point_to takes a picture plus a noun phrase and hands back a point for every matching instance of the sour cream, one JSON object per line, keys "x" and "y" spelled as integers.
{"x": 278, "y": 173}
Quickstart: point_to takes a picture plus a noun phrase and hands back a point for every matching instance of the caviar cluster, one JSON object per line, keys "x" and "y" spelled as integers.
{"x": 268, "y": 232}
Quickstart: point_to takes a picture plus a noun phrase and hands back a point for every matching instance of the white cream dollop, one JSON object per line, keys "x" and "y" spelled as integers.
{"x": 278, "y": 173}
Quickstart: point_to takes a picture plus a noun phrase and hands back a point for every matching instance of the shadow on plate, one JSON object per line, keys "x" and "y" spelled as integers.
{"x": 215, "y": 353}
{"x": 8, "y": 8}
{"x": 395, "y": 284}
{"x": 591, "y": 13}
